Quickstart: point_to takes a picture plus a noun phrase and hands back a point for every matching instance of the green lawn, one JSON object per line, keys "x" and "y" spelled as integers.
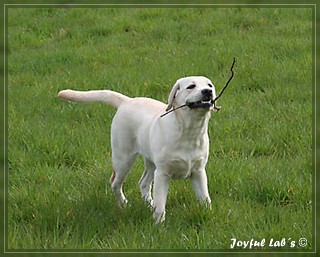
{"x": 260, "y": 166}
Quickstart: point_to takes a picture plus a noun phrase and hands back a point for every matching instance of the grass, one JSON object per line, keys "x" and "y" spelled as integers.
{"x": 59, "y": 155}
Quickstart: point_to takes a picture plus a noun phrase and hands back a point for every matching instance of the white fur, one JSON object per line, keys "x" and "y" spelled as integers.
{"x": 174, "y": 146}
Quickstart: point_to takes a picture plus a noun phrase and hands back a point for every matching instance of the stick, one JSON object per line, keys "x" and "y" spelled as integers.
{"x": 173, "y": 110}
{"x": 226, "y": 85}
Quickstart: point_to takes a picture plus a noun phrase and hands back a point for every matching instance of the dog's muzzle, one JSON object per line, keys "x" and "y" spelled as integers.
{"x": 205, "y": 103}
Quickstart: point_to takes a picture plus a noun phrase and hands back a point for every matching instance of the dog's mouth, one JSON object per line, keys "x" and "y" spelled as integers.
{"x": 201, "y": 104}
{"x": 206, "y": 104}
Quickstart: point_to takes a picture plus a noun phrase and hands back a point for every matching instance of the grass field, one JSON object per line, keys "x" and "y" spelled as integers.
{"x": 260, "y": 166}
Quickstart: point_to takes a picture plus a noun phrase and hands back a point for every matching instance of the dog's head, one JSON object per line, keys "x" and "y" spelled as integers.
{"x": 195, "y": 92}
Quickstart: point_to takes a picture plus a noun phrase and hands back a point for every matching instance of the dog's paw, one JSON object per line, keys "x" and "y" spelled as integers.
{"x": 159, "y": 217}
{"x": 149, "y": 203}
{"x": 123, "y": 203}
{"x": 207, "y": 203}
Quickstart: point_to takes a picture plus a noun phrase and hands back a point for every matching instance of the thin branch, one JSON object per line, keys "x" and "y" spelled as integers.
{"x": 173, "y": 110}
{"x": 226, "y": 85}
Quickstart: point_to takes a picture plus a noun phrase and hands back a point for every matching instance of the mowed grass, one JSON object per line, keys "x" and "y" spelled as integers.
{"x": 59, "y": 155}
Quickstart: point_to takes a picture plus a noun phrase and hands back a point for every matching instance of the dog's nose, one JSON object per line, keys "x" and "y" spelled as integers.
{"x": 207, "y": 92}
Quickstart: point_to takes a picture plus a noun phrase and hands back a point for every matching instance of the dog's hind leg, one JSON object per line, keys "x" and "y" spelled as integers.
{"x": 146, "y": 180}
{"x": 121, "y": 167}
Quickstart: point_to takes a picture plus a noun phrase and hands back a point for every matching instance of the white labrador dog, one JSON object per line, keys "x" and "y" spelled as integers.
{"x": 173, "y": 146}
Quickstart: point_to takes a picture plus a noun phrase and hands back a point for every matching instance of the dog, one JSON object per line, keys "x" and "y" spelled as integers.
{"x": 175, "y": 146}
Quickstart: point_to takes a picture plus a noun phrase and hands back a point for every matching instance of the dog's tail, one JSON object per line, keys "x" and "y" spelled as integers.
{"x": 105, "y": 96}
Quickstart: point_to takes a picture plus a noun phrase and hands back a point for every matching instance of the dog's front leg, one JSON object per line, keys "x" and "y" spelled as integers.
{"x": 160, "y": 191}
{"x": 200, "y": 186}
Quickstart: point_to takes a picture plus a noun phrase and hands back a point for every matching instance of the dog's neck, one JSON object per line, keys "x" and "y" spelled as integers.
{"x": 192, "y": 125}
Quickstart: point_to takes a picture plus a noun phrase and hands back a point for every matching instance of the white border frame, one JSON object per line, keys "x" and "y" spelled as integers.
{"x": 227, "y": 251}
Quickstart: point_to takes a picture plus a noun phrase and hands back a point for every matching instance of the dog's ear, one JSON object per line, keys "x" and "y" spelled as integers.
{"x": 172, "y": 95}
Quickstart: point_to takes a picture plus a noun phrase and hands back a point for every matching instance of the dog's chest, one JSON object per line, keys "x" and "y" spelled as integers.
{"x": 180, "y": 168}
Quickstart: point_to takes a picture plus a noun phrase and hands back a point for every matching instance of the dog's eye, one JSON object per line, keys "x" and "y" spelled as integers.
{"x": 191, "y": 86}
{"x": 210, "y": 85}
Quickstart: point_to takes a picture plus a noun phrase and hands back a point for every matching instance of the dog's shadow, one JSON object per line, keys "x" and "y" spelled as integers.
{"x": 99, "y": 211}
